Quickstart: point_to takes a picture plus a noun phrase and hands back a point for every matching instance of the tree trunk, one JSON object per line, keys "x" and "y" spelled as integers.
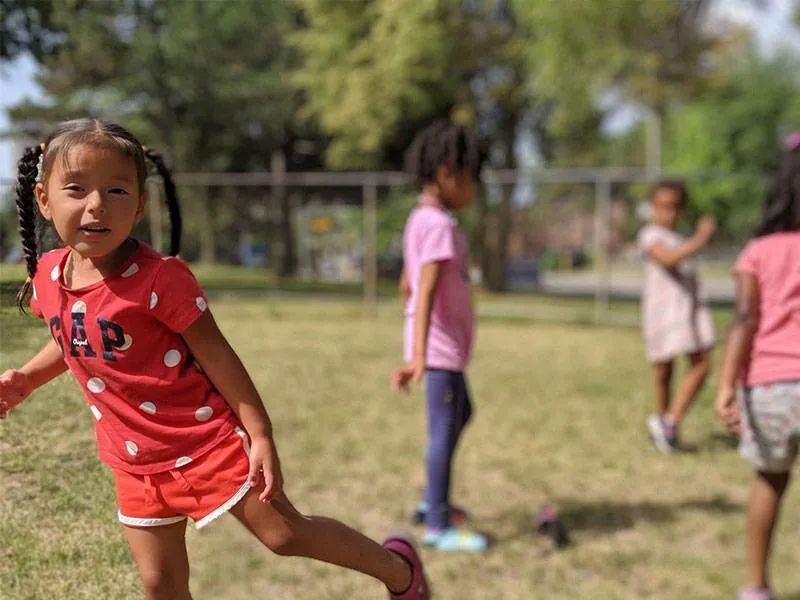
{"x": 207, "y": 238}
{"x": 284, "y": 259}
{"x": 494, "y": 247}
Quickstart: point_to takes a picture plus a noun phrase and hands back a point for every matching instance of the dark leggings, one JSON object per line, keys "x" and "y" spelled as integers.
{"x": 449, "y": 410}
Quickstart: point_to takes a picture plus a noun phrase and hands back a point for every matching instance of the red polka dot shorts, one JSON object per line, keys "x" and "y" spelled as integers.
{"x": 204, "y": 489}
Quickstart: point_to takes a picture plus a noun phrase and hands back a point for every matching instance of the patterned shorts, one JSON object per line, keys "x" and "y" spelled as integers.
{"x": 770, "y": 425}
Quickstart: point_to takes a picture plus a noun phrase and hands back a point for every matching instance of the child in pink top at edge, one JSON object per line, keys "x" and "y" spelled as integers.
{"x": 759, "y": 388}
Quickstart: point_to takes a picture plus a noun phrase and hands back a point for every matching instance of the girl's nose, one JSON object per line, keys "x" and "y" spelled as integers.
{"x": 95, "y": 202}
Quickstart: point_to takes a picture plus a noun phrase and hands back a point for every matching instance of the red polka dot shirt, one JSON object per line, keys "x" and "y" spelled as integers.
{"x": 154, "y": 409}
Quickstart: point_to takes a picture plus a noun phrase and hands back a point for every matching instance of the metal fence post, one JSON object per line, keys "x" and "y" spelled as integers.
{"x": 602, "y": 233}
{"x": 370, "y": 197}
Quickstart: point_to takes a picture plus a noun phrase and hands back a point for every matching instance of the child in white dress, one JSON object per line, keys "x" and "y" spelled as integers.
{"x": 676, "y": 320}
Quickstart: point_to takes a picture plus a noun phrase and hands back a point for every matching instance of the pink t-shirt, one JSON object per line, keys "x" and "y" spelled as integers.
{"x": 433, "y": 235}
{"x": 775, "y": 262}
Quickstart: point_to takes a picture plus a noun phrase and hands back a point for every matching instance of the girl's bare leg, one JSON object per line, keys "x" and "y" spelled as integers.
{"x": 160, "y": 555}
{"x": 662, "y": 378}
{"x": 282, "y": 529}
{"x": 699, "y": 367}
{"x": 762, "y": 514}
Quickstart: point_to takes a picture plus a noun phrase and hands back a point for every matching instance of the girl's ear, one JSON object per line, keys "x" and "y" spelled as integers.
{"x": 43, "y": 201}
{"x": 140, "y": 207}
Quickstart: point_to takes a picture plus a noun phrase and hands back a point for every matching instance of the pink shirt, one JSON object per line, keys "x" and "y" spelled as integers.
{"x": 775, "y": 262}
{"x": 433, "y": 235}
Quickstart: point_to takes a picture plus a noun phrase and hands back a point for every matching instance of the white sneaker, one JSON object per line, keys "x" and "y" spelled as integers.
{"x": 657, "y": 434}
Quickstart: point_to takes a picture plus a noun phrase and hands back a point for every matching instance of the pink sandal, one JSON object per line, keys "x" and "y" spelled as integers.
{"x": 403, "y": 545}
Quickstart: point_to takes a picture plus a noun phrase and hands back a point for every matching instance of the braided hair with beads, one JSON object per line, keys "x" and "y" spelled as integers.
{"x": 67, "y": 135}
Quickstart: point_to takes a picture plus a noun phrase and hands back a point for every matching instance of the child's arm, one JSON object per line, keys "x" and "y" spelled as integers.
{"x": 737, "y": 349}
{"x": 405, "y": 289}
{"x": 18, "y": 384}
{"x": 227, "y": 373}
{"x": 672, "y": 257}
{"x": 428, "y": 280}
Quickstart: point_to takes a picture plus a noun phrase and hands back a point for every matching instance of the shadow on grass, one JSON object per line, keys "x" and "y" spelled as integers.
{"x": 606, "y": 517}
{"x": 717, "y": 441}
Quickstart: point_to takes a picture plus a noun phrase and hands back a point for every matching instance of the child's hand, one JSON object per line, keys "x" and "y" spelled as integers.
{"x": 15, "y": 386}
{"x": 727, "y": 409}
{"x": 411, "y": 373}
{"x": 706, "y": 226}
{"x": 265, "y": 468}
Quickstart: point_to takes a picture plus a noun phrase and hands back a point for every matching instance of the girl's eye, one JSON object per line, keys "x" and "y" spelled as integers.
{"x": 119, "y": 191}
{"x": 73, "y": 187}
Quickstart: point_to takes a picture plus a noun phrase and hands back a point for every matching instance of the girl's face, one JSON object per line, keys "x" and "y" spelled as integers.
{"x": 666, "y": 208}
{"x": 456, "y": 190}
{"x": 92, "y": 198}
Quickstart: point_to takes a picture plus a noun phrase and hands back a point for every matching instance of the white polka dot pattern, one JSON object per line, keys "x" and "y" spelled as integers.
{"x": 96, "y": 385}
{"x": 132, "y": 448}
{"x": 183, "y": 460}
{"x": 127, "y": 344}
{"x": 172, "y": 358}
{"x": 79, "y": 307}
{"x": 201, "y": 303}
{"x": 131, "y": 271}
{"x": 153, "y": 300}
{"x": 35, "y": 297}
{"x": 203, "y": 413}
{"x": 148, "y": 407}
{"x": 96, "y": 412}
{"x": 55, "y": 273}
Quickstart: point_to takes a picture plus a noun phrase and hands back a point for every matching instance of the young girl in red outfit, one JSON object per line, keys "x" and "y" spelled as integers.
{"x": 176, "y": 416}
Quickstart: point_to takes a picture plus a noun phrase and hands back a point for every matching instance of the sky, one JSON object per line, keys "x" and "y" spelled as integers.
{"x": 772, "y": 27}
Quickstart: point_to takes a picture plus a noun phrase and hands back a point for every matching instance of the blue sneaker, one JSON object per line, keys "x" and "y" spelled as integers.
{"x": 455, "y": 540}
{"x": 458, "y": 515}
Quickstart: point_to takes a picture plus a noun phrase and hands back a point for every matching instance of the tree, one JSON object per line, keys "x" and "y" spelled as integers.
{"x": 201, "y": 79}
{"x": 736, "y": 128}
{"x": 26, "y": 26}
{"x": 505, "y": 65}
{"x": 647, "y": 53}
{"x": 369, "y": 64}
{"x": 375, "y": 71}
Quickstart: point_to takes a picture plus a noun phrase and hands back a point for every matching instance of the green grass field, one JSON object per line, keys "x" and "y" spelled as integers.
{"x": 560, "y": 415}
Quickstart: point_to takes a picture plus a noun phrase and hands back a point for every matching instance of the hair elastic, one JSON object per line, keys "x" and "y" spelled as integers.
{"x": 792, "y": 141}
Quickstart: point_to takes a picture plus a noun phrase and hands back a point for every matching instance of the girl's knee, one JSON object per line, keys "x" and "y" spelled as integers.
{"x": 283, "y": 541}
{"x": 663, "y": 373}
{"x": 161, "y": 583}
{"x": 701, "y": 360}
{"x": 703, "y": 367}
{"x": 287, "y": 538}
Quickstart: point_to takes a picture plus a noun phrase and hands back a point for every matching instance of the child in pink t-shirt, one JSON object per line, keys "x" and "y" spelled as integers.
{"x": 176, "y": 416}
{"x": 439, "y": 320}
{"x": 762, "y": 358}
